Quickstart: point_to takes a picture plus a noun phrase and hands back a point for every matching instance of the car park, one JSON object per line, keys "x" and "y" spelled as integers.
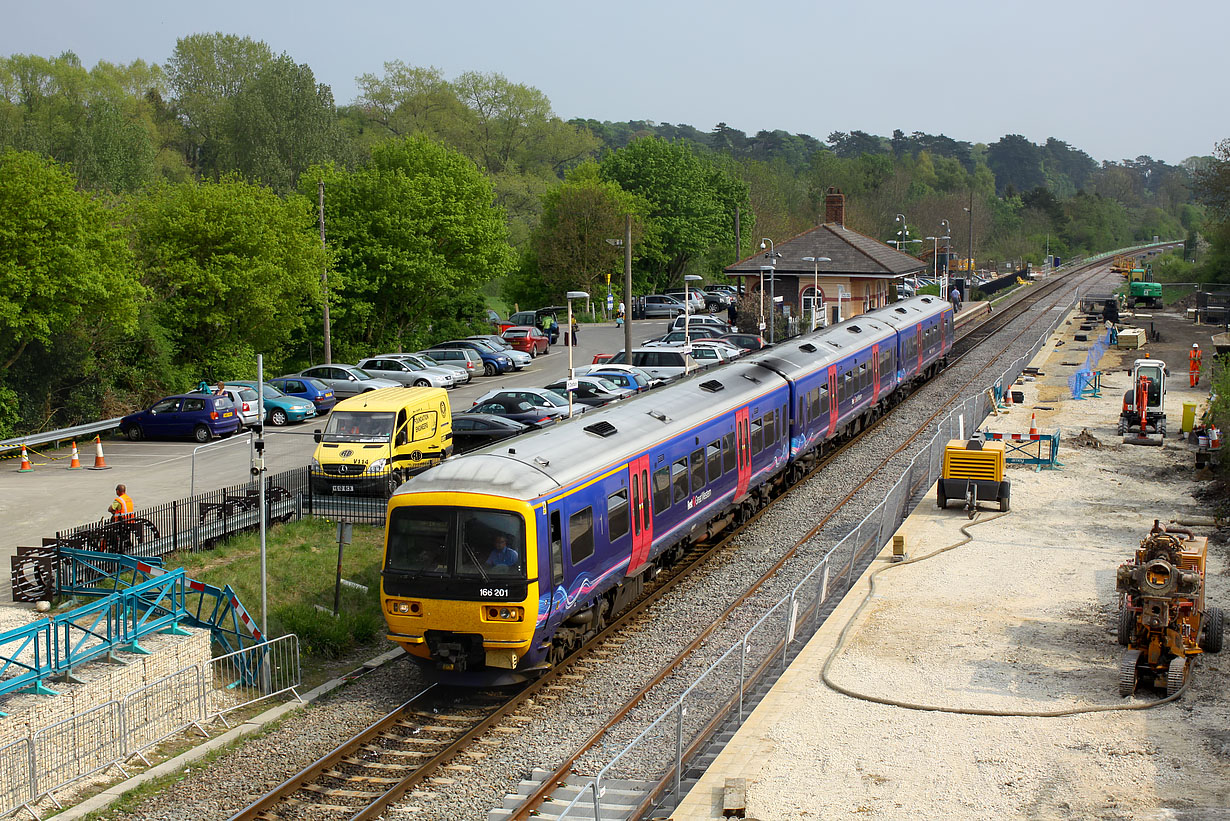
{"x": 280, "y": 408}
{"x": 457, "y": 357}
{"x": 499, "y": 344}
{"x": 695, "y": 299}
{"x": 404, "y": 373}
{"x": 663, "y": 363}
{"x": 473, "y": 430}
{"x": 591, "y": 390}
{"x": 678, "y": 338}
{"x": 748, "y": 342}
{"x": 460, "y": 375}
{"x": 345, "y": 380}
{"x": 660, "y": 305}
{"x": 702, "y": 321}
{"x": 244, "y": 400}
{"x": 494, "y": 362}
{"x": 313, "y": 390}
{"x": 197, "y": 416}
{"x": 545, "y": 402}
{"x": 607, "y": 369}
{"x": 528, "y": 339}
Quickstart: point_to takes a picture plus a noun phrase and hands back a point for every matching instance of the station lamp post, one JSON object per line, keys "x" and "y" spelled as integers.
{"x": 687, "y": 304}
{"x": 815, "y": 297}
{"x": 572, "y": 343}
{"x": 935, "y": 266}
{"x": 772, "y": 257}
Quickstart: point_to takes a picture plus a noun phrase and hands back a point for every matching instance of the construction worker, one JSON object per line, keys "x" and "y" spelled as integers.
{"x": 121, "y": 508}
{"x": 1193, "y": 364}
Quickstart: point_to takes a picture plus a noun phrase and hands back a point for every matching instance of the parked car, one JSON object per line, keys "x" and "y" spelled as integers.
{"x": 709, "y": 356}
{"x": 599, "y": 358}
{"x": 244, "y": 400}
{"x": 715, "y": 299}
{"x": 472, "y": 430}
{"x": 729, "y": 349}
{"x": 527, "y": 338}
{"x": 678, "y": 338}
{"x": 313, "y": 390}
{"x": 748, "y": 342}
{"x": 457, "y": 357}
{"x": 545, "y": 402}
{"x": 403, "y": 373}
{"x": 345, "y": 380}
{"x": 459, "y": 373}
{"x": 591, "y": 390}
{"x": 664, "y": 363}
{"x": 606, "y": 369}
{"x": 280, "y": 408}
{"x": 627, "y": 379}
{"x": 659, "y": 305}
{"x": 501, "y": 345}
{"x": 695, "y": 298}
{"x": 702, "y": 321}
{"x": 494, "y": 362}
{"x": 198, "y": 416}
{"x": 558, "y": 313}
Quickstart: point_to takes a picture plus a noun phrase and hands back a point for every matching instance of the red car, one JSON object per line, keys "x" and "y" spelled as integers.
{"x": 599, "y": 358}
{"x": 527, "y": 338}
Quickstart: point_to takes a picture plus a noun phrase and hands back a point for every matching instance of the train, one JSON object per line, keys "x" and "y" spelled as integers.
{"x": 500, "y": 562}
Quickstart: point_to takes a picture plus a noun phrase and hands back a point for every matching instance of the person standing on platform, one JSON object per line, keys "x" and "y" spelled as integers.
{"x": 955, "y": 299}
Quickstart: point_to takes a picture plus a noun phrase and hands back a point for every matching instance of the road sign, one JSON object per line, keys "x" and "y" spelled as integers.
{"x": 610, "y": 302}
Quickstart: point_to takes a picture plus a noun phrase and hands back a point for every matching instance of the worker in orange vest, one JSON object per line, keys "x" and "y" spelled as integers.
{"x": 122, "y": 507}
{"x": 1193, "y": 364}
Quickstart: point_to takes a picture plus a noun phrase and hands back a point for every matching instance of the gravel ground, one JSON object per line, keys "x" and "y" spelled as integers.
{"x": 223, "y": 786}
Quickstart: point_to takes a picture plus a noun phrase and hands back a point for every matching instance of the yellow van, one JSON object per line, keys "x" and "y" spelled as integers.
{"x": 376, "y": 440}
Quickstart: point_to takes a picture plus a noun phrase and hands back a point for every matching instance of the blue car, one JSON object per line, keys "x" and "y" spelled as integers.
{"x": 280, "y": 408}
{"x": 199, "y": 416}
{"x": 494, "y": 362}
{"x": 313, "y": 390}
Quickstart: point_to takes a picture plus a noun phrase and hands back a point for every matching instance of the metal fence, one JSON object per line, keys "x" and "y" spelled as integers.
{"x": 719, "y": 690}
{"x": 111, "y": 734}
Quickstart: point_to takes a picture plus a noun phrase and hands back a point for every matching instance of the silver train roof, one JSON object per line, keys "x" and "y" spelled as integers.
{"x": 538, "y": 463}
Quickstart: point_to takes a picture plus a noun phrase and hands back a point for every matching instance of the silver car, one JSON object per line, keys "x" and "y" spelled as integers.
{"x": 401, "y": 371}
{"x": 660, "y": 305}
{"x": 244, "y": 400}
{"x": 460, "y": 375}
{"x": 345, "y": 380}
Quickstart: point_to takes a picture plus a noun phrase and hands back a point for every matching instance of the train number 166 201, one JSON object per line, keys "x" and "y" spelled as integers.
{"x": 493, "y": 592}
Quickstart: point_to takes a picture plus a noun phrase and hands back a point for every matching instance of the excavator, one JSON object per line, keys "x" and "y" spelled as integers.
{"x": 1143, "y": 418}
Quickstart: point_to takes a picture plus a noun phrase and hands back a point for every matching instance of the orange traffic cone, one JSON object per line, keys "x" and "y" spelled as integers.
{"x": 76, "y": 463}
{"x": 1008, "y": 396}
{"x": 99, "y": 463}
{"x": 26, "y": 467}
{"x": 1033, "y": 424}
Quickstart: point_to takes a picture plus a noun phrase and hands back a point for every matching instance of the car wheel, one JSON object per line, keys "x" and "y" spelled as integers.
{"x": 200, "y": 433}
{"x": 533, "y": 353}
{"x": 135, "y": 434}
{"x": 489, "y": 369}
{"x": 422, "y": 383}
{"x": 277, "y": 417}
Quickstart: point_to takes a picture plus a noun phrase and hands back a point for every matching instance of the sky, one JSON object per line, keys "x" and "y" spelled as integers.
{"x": 1114, "y": 78}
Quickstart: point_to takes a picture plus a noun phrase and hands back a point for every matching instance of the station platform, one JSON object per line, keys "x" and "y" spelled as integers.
{"x": 1019, "y": 619}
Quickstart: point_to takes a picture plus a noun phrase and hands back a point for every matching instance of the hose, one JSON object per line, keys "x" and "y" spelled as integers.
{"x": 969, "y": 711}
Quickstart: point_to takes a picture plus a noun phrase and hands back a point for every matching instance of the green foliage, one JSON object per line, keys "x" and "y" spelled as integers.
{"x": 324, "y": 635}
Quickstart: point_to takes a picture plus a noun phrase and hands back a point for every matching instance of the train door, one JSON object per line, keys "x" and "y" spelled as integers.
{"x": 555, "y": 557}
{"x": 833, "y": 404}
{"x": 743, "y": 453}
{"x": 642, "y": 512}
{"x": 918, "y": 336}
{"x": 943, "y": 329}
{"x": 875, "y": 373}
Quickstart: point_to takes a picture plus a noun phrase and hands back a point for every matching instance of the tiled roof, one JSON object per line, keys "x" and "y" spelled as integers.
{"x": 851, "y": 253}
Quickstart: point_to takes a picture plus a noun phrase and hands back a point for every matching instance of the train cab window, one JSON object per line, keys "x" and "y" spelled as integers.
{"x": 617, "y": 514}
{"x": 679, "y": 481}
{"x": 661, "y": 489}
{"x": 713, "y": 457}
{"x": 698, "y": 469}
{"x": 557, "y": 550}
{"x": 757, "y": 435}
{"x": 581, "y": 535}
{"x": 728, "y": 452}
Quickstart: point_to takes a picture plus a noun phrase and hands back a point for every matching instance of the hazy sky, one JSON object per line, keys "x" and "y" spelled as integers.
{"x": 1115, "y": 78}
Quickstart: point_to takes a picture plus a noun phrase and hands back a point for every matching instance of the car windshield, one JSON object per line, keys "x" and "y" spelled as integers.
{"x": 426, "y": 360}
{"x": 318, "y": 385}
{"x": 485, "y": 345}
{"x": 362, "y": 374}
{"x": 271, "y": 392}
{"x": 412, "y": 364}
{"x": 247, "y": 394}
{"x": 358, "y": 426}
{"x": 606, "y": 384}
{"x": 456, "y": 543}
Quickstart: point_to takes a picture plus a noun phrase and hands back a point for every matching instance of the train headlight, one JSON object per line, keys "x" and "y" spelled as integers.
{"x": 496, "y": 613}
{"x": 405, "y": 608}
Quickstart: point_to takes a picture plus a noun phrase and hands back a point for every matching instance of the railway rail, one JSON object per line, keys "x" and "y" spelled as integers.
{"x": 434, "y": 734}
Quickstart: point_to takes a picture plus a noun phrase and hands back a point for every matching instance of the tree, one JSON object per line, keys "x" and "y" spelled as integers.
{"x": 1017, "y": 162}
{"x": 415, "y": 233}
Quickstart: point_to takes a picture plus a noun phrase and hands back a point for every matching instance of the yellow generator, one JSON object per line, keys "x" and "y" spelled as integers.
{"x": 1162, "y": 616}
{"x": 973, "y": 470}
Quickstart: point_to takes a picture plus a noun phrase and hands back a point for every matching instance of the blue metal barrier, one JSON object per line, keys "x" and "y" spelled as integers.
{"x": 1028, "y": 448}
{"x": 26, "y": 656}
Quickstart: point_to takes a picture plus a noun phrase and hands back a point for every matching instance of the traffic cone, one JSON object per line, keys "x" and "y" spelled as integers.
{"x": 26, "y": 467}
{"x": 1008, "y": 396}
{"x": 1033, "y": 424}
{"x": 75, "y": 464}
{"x": 99, "y": 463}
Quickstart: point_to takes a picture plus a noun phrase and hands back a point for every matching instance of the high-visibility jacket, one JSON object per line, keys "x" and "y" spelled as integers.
{"x": 1193, "y": 360}
{"x": 121, "y": 508}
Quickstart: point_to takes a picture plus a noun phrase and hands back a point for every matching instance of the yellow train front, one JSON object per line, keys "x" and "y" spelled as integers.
{"x": 450, "y": 598}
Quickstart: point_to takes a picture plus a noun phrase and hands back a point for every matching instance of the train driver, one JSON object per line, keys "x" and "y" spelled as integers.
{"x": 502, "y": 555}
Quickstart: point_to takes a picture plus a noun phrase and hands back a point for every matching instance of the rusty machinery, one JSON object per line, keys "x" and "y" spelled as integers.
{"x": 973, "y": 470}
{"x": 1163, "y": 621}
{"x": 1144, "y": 405}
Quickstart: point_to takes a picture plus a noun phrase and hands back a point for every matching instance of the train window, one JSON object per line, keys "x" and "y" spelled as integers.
{"x": 679, "y": 481}
{"x": 617, "y": 513}
{"x": 581, "y": 535}
{"x": 863, "y": 377}
{"x": 698, "y": 469}
{"x": 728, "y": 452}
{"x": 661, "y": 489}
{"x": 557, "y": 550}
{"x": 713, "y": 455}
{"x": 816, "y": 408}
{"x": 824, "y": 399}
{"x": 636, "y": 503}
{"x": 757, "y": 435}
{"x": 770, "y": 428}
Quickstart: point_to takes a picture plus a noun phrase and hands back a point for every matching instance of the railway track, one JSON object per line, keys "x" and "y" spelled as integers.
{"x": 439, "y": 735}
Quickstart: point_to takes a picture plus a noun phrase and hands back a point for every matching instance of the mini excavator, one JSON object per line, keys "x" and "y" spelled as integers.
{"x": 1143, "y": 418}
